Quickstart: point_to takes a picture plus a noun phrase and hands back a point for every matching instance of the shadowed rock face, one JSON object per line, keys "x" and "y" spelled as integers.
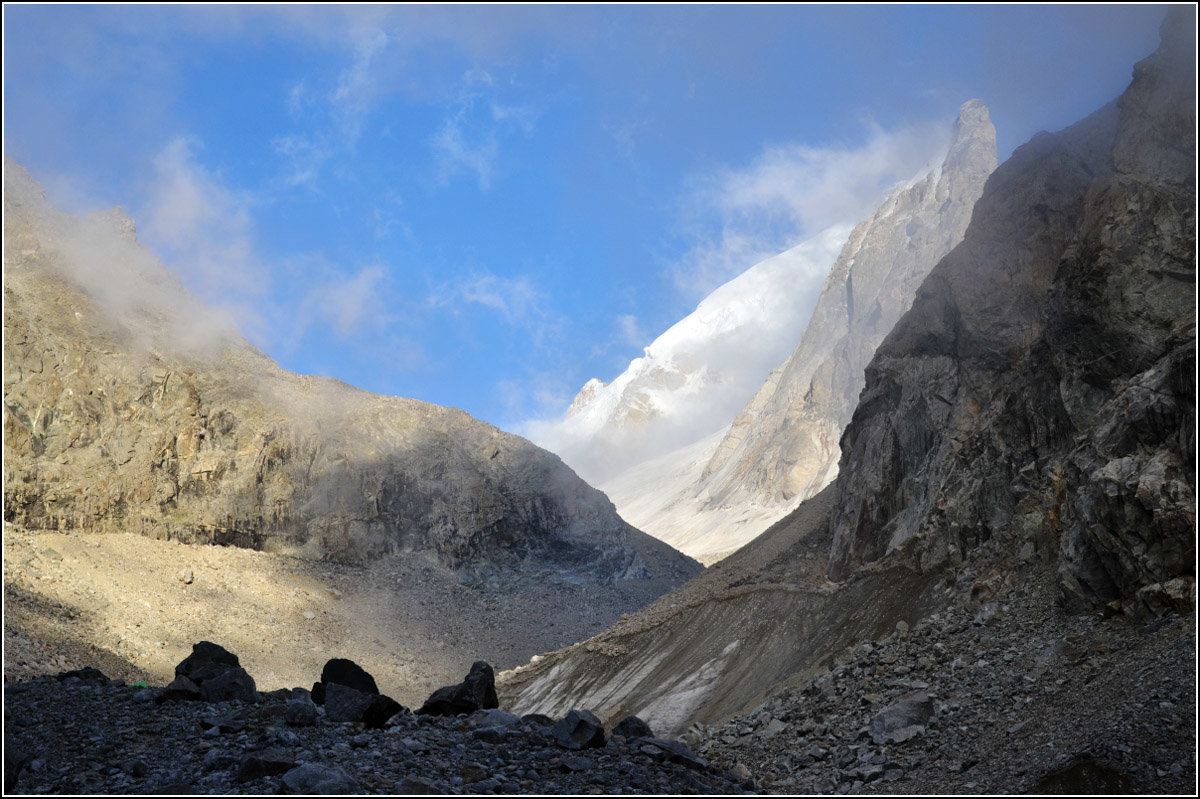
{"x": 783, "y": 446}
{"x": 1027, "y": 428}
{"x": 130, "y": 407}
{"x": 1041, "y": 391}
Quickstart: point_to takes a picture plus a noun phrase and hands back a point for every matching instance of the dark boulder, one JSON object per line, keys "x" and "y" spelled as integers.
{"x": 345, "y": 704}
{"x": 312, "y": 778}
{"x": 211, "y": 673}
{"x": 343, "y": 672}
{"x": 476, "y": 692}
{"x": 381, "y": 709}
{"x": 203, "y": 653}
{"x": 267, "y": 763}
{"x": 87, "y": 674}
{"x": 579, "y": 730}
{"x": 633, "y": 727}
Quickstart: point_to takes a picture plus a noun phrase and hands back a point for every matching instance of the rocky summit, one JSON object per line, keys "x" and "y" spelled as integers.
{"x": 81, "y": 733}
{"x": 131, "y": 407}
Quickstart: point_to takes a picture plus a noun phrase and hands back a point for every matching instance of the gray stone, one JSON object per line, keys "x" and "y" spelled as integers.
{"x": 903, "y": 719}
{"x": 231, "y": 683}
{"x": 579, "y": 730}
{"x": 300, "y": 713}
{"x": 267, "y": 763}
{"x": 312, "y": 778}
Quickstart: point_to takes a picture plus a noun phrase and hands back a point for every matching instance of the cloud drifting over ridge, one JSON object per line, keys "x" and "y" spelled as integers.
{"x": 788, "y": 193}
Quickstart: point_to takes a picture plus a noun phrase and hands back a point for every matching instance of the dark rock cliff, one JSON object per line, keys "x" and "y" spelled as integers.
{"x": 1039, "y": 397}
{"x": 130, "y": 407}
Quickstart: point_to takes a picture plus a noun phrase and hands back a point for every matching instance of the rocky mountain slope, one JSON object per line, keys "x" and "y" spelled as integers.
{"x": 692, "y": 379}
{"x": 128, "y": 407}
{"x": 1023, "y": 452}
{"x": 782, "y": 447}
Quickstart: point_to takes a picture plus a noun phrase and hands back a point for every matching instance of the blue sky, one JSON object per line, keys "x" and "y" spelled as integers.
{"x": 486, "y": 206}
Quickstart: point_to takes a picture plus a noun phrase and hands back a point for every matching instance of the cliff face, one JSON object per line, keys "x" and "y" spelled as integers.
{"x": 782, "y": 447}
{"x": 129, "y": 407}
{"x": 1027, "y": 431}
{"x": 1039, "y": 398}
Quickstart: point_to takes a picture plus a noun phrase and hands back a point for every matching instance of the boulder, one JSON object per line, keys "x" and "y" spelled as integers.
{"x": 579, "y": 730}
{"x": 633, "y": 727}
{"x": 266, "y": 763}
{"x": 380, "y": 710}
{"x": 211, "y": 673}
{"x": 904, "y": 719}
{"x": 343, "y": 672}
{"x": 476, "y": 692}
{"x": 345, "y": 704}
{"x": 312, "y": 778}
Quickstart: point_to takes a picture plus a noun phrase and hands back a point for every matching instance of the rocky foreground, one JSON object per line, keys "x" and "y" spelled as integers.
{"x": 992, "y": 695}
{"x": 210, "y": 731}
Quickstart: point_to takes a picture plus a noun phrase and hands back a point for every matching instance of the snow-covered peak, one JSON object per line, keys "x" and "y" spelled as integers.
{"x": 694, "y": 377}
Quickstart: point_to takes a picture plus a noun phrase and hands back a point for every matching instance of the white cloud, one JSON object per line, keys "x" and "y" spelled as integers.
{"x": 516, "y": 299}
{"x": 470, "y": 137}
{"x": 454, "y": 153}
{"x": 349, "y": 305}
{"x": 204, "y": 230}
{"x": 358, "y": 85}
{"x": 788, "y": 193}
{"x": 631, "y": 332}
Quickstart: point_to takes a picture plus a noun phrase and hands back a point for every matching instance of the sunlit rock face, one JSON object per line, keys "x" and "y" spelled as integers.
{"x": 131, "y": 407}
{"x": 782, "y": 447}
{"x": 1040, "y": 395}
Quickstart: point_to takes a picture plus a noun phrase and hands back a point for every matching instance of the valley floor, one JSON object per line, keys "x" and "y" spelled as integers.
{"x": 133, "y": 606}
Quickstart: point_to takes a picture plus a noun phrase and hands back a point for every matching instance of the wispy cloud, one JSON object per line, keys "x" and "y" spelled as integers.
{"x": 470, "y": 137}
{"x": 359, "y": 86}
{"x": 205, "y": 231}
{"x": 630, "y": 331}
{"x": 349, "y": 304}
{"x": 516, "y": 299}
{"x": 789, "y": 193}
{"x": 454, "y": 153}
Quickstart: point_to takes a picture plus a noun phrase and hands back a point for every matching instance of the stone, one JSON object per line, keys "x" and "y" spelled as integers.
{"x": 87, "y": 674}
{"x": 494, "y": 717}
{"x": 230, "y": 684}
{"x": 476, "y": 692}
{"x": 345, "y": 704}
{"x": 313, "y": 778}
{"x": 350, "y": 674}
{"x": 674, "y": 751}
{"x": 204, "y": 653}
{"x": 903, "y": 719}
{"x": 300, "y": 713}
{"x": 179, "y": 688}
{"x": 267, "y": 763}
{"x": 633, "y": 727}
{"x": 380, "y": 711}
{"x": 579, "y": 730}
